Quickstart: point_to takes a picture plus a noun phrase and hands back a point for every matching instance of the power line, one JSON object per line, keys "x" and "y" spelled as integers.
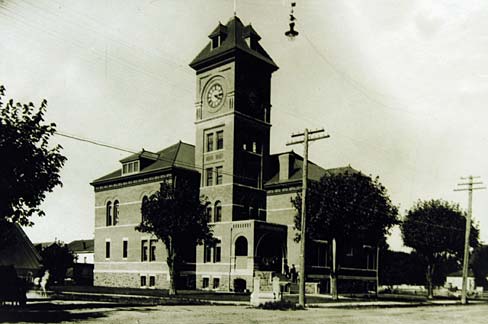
{"x": 125, "y": 150}
{"x": 199, "y": 168}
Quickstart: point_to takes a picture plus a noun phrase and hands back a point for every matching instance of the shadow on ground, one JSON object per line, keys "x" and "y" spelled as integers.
{"x": 48, "y": 312}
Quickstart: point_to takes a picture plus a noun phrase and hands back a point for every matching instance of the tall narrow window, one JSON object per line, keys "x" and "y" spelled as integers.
{"x": 209, "y": 214}
{"x": 207, "y": 253}
{"x": 220, "y": 140}
{"x": 218, "y": 212}
{"x": 218, "y": 175}
{"x": 125, "y": 249}
{"x": 217, "y": 252}
{"x": 210, "y": 142}
{"x": 143, "y": 281}
{"x": 107, "y": 250}
{"x": 108, "y": 214}
{"x": 205, "y": 282}
{"x": 144, "y": 201}
{"x": 152, "y": 250}
{"x": 209, "y": 174}
{"x": 216, "y": 283}
{"x": 152, "y": 281}
{"x": 144, "y": 250}
{"x": 116, "y": 212}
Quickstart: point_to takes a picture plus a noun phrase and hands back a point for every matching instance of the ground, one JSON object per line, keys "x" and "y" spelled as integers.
{"x": 64, "y": 312}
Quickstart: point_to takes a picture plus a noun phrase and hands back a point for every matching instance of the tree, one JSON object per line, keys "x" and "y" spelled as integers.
{"x": 29, "y": 165}
{"x": 398, "y": 268}
{"x": 347, "y": 208}
{"x": 479, "y": 264}
{"x": 176, "y": 215}
{"x": 57, "y": 258}
{"x": 435, "y": 229}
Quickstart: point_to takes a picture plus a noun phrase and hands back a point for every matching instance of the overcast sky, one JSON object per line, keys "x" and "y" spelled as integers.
{"x": 400, "y": 85}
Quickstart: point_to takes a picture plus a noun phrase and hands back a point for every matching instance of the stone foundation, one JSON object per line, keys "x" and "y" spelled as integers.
{"x": 129, "y": 280}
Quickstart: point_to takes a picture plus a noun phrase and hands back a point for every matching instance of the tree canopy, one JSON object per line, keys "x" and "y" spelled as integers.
{"x": 347, "y": 206}
{"x": 348, "y": 209}
{"x": 435, "y": 229}
{"x": 479, "y": 264}
{"x": 177, "y": 215}
{"x": 57, "y": 258}
{"x": 30, "y": 166}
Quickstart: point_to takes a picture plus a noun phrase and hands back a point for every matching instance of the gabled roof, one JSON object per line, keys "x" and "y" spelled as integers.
{"x": 235, "y": 33}
{"x": 80, "y": 246}
{"x": 180, "y": 155}
{"x": 315, "y": 172}
{"x": 19, "y": 252}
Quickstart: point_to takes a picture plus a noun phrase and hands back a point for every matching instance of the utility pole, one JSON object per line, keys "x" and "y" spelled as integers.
{"x": 469, "y": 189}
{"x": 306, "y": 138}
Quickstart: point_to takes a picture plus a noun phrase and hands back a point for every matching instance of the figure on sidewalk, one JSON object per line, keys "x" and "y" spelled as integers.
{"x": 293, "y": 273}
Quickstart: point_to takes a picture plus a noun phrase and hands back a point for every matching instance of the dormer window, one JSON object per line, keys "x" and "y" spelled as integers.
{"x": 215, "y": 42}
{"x": 130, "y": 167}
{"x": 218, "y": 36}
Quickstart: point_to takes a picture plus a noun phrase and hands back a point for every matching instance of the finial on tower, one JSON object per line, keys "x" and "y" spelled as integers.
{"x": 235, "y": 8}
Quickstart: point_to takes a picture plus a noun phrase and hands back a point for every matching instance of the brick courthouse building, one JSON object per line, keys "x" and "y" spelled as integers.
{"x": 249, "y": 189}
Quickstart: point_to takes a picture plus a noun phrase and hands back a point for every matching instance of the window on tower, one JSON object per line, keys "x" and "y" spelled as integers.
{"x": 220, "y": 140}
{"x": 219, "y": 175}
{"x": 210, "y": 142}
{"x": 209, "y": 177}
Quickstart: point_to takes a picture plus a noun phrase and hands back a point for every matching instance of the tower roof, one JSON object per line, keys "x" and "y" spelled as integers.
{"x": 233, "y": 37}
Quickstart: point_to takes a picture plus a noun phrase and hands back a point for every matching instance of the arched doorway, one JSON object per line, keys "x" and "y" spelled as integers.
{"x": 241, "y": 252}
{"x": 270, "y": 252}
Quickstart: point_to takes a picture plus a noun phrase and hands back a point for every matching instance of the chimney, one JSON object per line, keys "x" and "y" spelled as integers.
{"x": 286, "y": 165}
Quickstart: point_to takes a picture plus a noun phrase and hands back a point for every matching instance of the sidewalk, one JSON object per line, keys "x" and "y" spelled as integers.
{"x": 317, "y": 301}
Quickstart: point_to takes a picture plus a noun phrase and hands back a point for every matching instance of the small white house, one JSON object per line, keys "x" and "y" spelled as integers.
{"x": 84, "y": 250}
{"x": 455, "y": 281}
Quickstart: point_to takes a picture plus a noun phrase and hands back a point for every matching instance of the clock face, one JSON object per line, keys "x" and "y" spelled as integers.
{"x": 215, "y": 95}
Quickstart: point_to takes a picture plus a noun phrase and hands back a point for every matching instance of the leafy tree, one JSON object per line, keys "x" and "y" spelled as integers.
{"x": 349, "y": 208}
{"x": 57, "y": 258}
{"x": 479, "y": 264}
{"x": 177, "y": 215}
{"x": 29, "y": 166}
{"x": 435, "y": 229}
{"x": 398, "y": 268}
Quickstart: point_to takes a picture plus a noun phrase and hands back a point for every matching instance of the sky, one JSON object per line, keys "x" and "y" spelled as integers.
{"x": 400, "y": 86}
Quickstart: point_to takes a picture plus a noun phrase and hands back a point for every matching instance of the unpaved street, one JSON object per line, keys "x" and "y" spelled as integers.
{"x": 239, "y": 314}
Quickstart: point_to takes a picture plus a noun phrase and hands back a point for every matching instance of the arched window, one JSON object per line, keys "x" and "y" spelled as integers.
{"x": 144, "y": 200}
{"x": 241, "y": 246}
{"x": 108, "y": 214}
{"x": 218, "y": 211}
{"x": 209, "y": 214}
{"x": 116, "y": 212}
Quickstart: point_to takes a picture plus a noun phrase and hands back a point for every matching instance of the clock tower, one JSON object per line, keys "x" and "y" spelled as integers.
{"x": 233, "y": 120}
{"x": 232, "y": 111}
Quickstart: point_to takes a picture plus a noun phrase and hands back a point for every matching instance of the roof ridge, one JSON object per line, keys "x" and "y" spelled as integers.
{"x": 176, "y": 153}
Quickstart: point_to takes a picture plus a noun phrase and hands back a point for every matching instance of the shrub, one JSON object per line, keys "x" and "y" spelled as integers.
{"x": 280, "y": 305}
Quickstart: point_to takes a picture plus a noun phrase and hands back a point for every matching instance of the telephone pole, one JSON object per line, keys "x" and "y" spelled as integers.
{"x": 469, "y": 189}
{"x": 319, "y": 134}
